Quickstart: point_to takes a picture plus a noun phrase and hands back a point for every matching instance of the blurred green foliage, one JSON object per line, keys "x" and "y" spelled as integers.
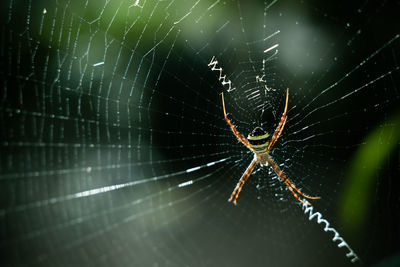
{"x": 363, "y": 171}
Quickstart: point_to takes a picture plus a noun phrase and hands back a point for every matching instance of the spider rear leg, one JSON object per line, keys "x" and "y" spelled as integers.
{"x": 281, "y": 124}
{"x": 238, "y": 135}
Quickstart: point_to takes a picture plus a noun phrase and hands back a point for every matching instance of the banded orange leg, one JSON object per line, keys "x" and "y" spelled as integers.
{"x": 245, "y": 176}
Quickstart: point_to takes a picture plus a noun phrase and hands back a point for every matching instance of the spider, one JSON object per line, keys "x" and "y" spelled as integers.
{"x": 257, "y": 141}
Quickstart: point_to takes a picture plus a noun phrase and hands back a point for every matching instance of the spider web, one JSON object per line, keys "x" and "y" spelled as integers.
{"x": 114, "y": 149}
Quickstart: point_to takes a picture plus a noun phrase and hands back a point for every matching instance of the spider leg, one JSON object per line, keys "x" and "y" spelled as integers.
{"x": 274, "y": 139}
{"x": 287, "y": 181}
{"x": 240, "y": 137}
{"x": 245, "y": 176}
{"x": 281, "y": 124}
{"x": 295, "y": 195}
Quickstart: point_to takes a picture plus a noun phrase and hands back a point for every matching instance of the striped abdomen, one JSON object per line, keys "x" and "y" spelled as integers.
{"x": 258, "y": 140}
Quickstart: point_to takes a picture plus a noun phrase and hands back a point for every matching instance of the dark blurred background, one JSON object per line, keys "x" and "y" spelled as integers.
{"x": 114, "y": 150}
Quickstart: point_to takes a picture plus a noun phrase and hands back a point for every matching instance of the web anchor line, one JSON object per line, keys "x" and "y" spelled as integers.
{"x": 221, "y": 78}
{"x": 308, "y": 208}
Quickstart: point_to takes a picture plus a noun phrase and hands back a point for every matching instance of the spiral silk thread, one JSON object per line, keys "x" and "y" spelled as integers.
{"x": 221, "y": 78}
{"x": 308, "y": 208}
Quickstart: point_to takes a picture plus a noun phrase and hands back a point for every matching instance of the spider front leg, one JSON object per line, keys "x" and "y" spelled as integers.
{"x": 291, "y": 186}
{"x": 287, "y": 182}
{"x": 245, "y": 176}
